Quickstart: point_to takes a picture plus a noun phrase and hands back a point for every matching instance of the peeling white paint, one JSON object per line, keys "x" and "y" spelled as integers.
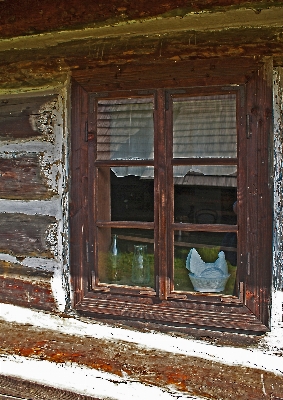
{"x": 33, "y": 262}
{"x": 52, "y": 150}
{"x": 85, "y": 381}
{"x": 246, "y": 357}
{"x": 278, "y": 179}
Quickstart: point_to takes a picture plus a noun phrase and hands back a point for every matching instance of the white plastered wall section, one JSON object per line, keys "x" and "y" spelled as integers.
{"x": 54, "y": 167}
{"x": 274, "y": 339}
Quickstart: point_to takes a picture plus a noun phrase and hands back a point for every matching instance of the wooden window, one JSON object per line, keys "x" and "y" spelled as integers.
{"x": 171, "y": 216}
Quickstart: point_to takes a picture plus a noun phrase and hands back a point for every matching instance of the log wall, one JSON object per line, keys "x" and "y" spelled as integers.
{"x": 34, "y": 203}
{"x": 32, "y": 148}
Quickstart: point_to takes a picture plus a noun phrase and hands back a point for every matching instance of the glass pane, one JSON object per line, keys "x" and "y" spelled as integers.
{"x": 205, "y": 126}
{"x": 205, "y": 262}
{"x": 125, "y": 129}
{"x": 204, "y": 199}
{"x": 124, "y": 197}
{"x": 125, "y": 257}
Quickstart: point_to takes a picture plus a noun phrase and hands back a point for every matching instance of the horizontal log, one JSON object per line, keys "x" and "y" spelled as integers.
{"x": 26, "y": 294}
{"x": 26, "y": 286}
{"x": 25, "y": 117}
{"x": 25, "y": 235}
{"x": 193, "y": 376}
{"x": 33, "y": 17}
{"x": 22, "y": 178}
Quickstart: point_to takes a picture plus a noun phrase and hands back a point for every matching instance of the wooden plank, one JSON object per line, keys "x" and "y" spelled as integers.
{"x": 197, "y": 377}
{"x": 16, "y": 388}
{"x": 27, "y": 294}
{"x": 79, "y": 193}
{"x": 25, "y": 286}
{"x": 207, "y": 316}
{"x": 25, "y": 235}
{"x": 22, "y": 178}
{"x": 258, "y": 258}
{"x": 180, "y": 74}
{"x": 24, "y": 117}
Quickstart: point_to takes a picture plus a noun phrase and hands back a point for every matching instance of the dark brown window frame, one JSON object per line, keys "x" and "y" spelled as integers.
{"x": 250, "y": 311}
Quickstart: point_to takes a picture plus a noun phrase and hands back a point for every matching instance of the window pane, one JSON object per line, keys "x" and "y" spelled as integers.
{"x": 125, "y": 257}
{"x": 205, "y": 126}
{"x": 131, "y": 197}
{"x": 205, "y": 261}
{"x": 124, "y": 197}
{"x": 204, "y": 199}
{"x": 125, "y": 129}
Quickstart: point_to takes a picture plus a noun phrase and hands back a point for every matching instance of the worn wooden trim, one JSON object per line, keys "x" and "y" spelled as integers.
{"x": 252, "y": 316}
{"x": 79, "y": 194}
{"x": 184, "y": 73}
{"x": 233, "y": 317}
{"x": 258, "y": 191}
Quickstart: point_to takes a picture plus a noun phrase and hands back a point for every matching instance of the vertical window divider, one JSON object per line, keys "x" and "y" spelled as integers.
{"x": 160, "y": 196}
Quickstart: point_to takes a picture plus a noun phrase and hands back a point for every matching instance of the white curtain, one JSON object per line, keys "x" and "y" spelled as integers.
{"x": 203, "y": 126}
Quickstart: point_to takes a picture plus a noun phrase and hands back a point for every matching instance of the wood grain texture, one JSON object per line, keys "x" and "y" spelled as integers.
{"x": 193, "y": 376}
{"x": 25, "y": 235}
{"x": 18, "y": 389}
{"x": 22, "y": 178}
{"x": 27, "y": 294}
{"x": 33, "y": 17}
{"x": 18, "y": 117}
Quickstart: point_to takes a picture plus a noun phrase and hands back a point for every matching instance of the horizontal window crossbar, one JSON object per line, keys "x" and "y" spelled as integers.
{"x": 204, "y": 161}
{"x": 204, "y": 227}
{"x": 122, "y": 163}
{"x": 125, "y": 224}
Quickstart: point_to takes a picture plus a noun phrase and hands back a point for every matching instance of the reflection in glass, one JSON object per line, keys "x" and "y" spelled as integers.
{"x": 134, "y": 248}
{"x": 125, "y": 129}
{"x": 132, "y": 197}
{"x": 205, "y": 126}
{"x": 208, "y": 246}
{"x": 202, "y": 199}
{"x": 140, "y": 265}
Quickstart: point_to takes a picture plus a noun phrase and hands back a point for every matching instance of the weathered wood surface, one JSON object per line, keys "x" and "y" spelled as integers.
{"x": 26, "y": 294}
{"x": 25, "y": 286}
{"x": 22, "y": 178}
{"x": 23, "y": 18}
{"x": 21, "y": 118}
{"x": 174, "y": 75}
{"x": 191, "y": 375}
{"x": 18, "y": 389}
{"x": 25, "y": 235}
{"x": 49, "y": 64}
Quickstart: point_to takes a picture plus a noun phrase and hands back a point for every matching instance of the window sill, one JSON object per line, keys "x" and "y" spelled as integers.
{"x": 189, "y": 313}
